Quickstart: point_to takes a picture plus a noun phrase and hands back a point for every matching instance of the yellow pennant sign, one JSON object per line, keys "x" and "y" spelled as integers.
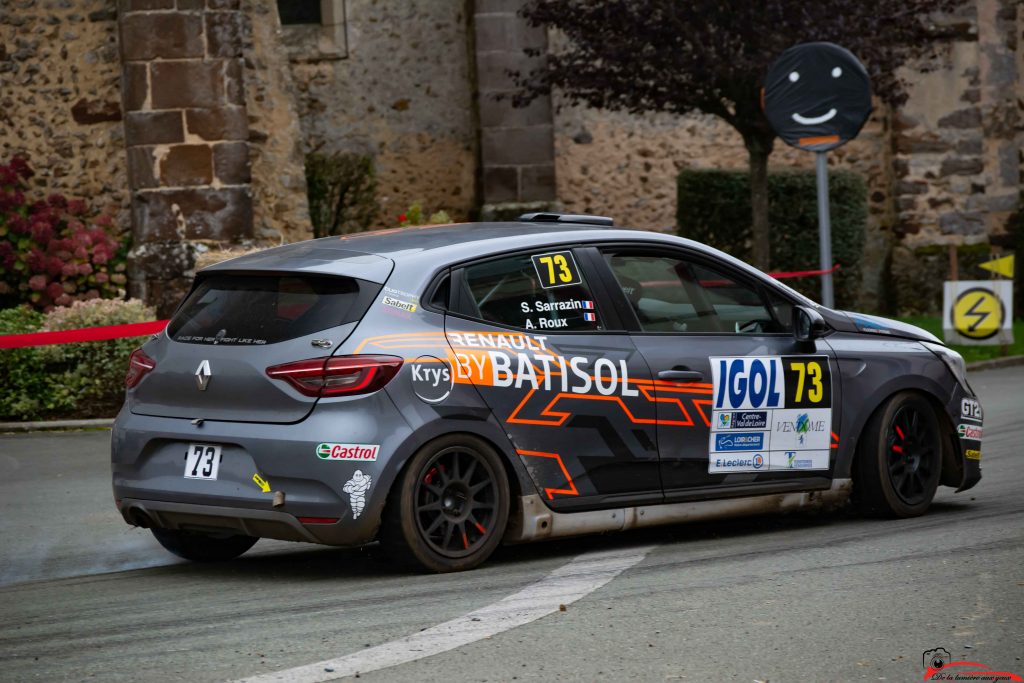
{"x": 1001, "y": 266}
{"x": 261, "y": 482}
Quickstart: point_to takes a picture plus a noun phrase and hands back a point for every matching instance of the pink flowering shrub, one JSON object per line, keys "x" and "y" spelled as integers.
{"x": 54, "y": 252}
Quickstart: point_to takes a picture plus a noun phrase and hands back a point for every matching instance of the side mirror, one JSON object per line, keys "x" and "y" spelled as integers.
{"x": 808, "y": 324}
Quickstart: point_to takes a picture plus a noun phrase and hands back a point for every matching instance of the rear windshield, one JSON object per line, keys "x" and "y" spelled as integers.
{"x": 265, "y": 309}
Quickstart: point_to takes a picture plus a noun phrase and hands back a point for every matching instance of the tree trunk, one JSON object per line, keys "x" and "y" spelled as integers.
{"x": 760, "y": 252}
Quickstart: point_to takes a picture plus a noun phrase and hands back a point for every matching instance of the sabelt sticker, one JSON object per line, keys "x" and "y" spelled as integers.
{"x": 972, "y": 432}
{"x": 407, "y": 306}
{"x": 432, "y": 379}
{"x": 348, "y": 451}
{"x": 972, "y": 454}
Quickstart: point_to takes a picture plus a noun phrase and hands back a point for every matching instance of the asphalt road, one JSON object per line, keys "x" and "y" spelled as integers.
{"x": 828, "y": 597}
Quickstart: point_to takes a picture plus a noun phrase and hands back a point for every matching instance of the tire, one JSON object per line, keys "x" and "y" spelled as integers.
{"x": 899, "y": 458}
{"x": 203, "y": 547}
{"x": 449, "y": 510}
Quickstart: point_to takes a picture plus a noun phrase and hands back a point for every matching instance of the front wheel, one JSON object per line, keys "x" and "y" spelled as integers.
{"x": 899, "y": 458}
{"x": 449, "y": 510}
{"x": 203, "y": 547}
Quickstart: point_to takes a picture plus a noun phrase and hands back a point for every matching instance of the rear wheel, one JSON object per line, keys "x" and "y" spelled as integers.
{"x": 203, "y": 547}
{"x": 449, "y": 511}
{"x": 899, "y": 458}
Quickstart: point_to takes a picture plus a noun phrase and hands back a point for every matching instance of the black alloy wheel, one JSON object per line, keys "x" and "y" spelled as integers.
{"x": 914, "y": 453}
{"x": 899, "y": 458}
{"x": 450, "y": 507}
{"x": 456, "y": 501}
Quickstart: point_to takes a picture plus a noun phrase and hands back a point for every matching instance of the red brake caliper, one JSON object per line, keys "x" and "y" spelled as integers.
{"x": 897, "y": 448}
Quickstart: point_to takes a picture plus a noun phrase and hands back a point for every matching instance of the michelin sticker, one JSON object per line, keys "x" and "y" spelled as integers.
{"x": 770, "y": 413}
{"x": 432, "y": 379}
{"x": 356, "y": 488}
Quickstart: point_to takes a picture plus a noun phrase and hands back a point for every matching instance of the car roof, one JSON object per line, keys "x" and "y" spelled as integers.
{"x": 434, "y": 245}
{"x": 372, "y": 255}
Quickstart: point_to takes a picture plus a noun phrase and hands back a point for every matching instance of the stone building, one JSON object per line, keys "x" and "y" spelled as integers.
{"x": 190, "y": 121}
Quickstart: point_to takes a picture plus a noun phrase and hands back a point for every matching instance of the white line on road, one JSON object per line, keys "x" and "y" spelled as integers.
{"x": 564, "y": 586}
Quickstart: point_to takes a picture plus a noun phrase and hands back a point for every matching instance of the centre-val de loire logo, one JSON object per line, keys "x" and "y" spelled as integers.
{"x": 938, "y": 666}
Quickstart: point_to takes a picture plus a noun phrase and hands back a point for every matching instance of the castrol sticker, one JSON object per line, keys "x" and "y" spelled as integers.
{"x": 348, "y": 451}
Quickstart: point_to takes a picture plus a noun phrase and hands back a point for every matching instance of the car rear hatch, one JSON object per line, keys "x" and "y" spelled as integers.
{"x": 212, "y": 361}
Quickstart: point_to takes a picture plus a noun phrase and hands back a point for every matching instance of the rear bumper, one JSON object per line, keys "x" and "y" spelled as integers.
{"x": 148, "y": 467}
{"x": 246, "y": 521}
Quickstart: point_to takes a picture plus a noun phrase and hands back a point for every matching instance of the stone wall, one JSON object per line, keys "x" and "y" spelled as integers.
{"x": 280, "y": 208}
{"x": 403, "y": 94}
{"x": 186, "y": 132}
{"x": 60, "y": 102}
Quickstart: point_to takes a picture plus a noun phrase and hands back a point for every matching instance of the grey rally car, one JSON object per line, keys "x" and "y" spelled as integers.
{"x": 447, "y": 389}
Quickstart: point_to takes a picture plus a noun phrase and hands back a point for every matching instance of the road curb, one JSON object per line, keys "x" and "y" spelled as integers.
{"x": 992, "y": 364}
{"x": 54, "y": 425}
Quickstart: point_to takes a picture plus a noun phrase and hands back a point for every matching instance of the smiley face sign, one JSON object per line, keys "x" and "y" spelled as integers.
{"x": 817, "y": 96}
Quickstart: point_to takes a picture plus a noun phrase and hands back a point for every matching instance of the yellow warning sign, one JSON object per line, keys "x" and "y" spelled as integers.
{"x": 978, "y": 313}
{"x": 1001, "y": 266}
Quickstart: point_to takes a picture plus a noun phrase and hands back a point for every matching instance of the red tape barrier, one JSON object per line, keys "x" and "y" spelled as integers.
{"x": 87, "y": 334}
{"x": 804, "y": 273}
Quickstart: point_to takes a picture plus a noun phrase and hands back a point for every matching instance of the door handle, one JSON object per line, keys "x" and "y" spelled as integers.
{"x": 681, "y": 376}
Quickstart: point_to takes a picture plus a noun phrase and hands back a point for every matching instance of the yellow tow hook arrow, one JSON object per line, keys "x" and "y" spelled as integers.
{"x": 261, "y": 482}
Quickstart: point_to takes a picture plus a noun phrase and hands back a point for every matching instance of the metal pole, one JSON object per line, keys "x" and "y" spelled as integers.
{"x": 824, "y": 230}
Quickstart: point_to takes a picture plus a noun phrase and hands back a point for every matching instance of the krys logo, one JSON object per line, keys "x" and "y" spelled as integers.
{"x": 938, "y": 666}
{"x": 432, "y": 379}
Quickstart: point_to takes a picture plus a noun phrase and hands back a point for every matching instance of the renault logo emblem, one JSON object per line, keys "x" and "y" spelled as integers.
{"x": 203, "y": 373}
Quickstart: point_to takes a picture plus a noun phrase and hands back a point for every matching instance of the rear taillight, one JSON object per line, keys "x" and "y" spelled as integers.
{"x": 139, "y": 365}
{"x": 338, "y": 375}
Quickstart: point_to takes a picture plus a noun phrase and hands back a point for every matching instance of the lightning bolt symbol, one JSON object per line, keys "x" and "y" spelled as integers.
{"x": 980, "y": 315}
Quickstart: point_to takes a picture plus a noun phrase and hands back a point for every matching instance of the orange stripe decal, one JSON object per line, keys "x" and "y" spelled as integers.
{"x": 550, "y": 492}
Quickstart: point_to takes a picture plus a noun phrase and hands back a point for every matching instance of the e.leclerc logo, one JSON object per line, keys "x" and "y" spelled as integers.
{"x": 347, "y": 451}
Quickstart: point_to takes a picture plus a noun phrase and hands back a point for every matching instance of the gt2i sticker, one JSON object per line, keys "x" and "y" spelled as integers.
{"x": 783, "y": 403}
{"x": 347, "y": 451}
{"x": 432, "y": 379}
{"x": 357, "y": 488}
{"x": 970, "y": 409}
{"x": 557, "y": 269}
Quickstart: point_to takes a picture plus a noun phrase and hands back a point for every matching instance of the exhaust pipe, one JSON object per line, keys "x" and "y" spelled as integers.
{"x": 139, "y": 518}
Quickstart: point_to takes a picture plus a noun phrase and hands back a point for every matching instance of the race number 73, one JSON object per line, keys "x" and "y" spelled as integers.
{"x": 808, "y": 379}
{"x": 557, "y": 269}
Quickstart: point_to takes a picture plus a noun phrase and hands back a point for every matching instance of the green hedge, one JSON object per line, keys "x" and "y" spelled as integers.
{"x": 714, "y": 208}
{"x": 84, "y": 380}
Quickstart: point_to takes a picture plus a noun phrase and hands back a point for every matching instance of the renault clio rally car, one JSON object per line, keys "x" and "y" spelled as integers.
{"x": 447, "y": 389}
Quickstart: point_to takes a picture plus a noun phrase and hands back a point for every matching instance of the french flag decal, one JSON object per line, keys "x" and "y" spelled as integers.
{"x": 589, "y": 317}
{"x": 588, "y": 305}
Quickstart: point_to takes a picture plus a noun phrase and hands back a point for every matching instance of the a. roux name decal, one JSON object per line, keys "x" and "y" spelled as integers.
{"x": 348, "y": 451}
{"x": 784, "y": 406}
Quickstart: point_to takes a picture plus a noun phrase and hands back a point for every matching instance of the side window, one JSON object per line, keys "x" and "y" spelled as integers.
{"x": 541, "y": 291}
{"x": 670, "y": 294}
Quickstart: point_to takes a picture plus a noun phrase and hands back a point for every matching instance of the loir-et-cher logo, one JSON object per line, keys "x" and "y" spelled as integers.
{"x": 938, "y": 666}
